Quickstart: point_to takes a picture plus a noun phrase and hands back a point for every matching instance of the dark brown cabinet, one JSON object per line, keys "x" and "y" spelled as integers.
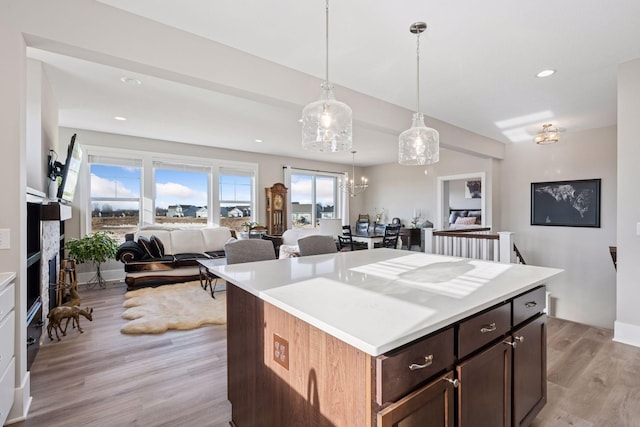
{"x": 499, "y": 370}
{"x": 529, "y": 371}
{"x": 431, "y": 405}
{"x": 484, "y": 392}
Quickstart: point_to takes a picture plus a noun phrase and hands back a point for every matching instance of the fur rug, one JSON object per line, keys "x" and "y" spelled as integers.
{"x": 181, "y": 306}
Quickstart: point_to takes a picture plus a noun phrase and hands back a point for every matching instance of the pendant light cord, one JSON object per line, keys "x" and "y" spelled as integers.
{"x": 327, "y": 40}
{"x": 417, "y": 72}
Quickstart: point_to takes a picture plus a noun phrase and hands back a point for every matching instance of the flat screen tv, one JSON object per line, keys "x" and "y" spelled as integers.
{"x": 70, "y": 171}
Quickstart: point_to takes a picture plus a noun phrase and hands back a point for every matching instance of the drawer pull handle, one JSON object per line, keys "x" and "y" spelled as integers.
{"x": 519, "y": 339}
{"x": 428, "y": 360}
{"x": 530, "y": 304}
{"x": 454, "y": 382}
{"x": 513, "y": 344}
{"x": 488, "y": 328}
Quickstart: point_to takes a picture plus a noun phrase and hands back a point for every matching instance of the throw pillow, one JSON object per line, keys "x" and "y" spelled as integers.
{"x": 147, "y": 248}
{"x": 157, "y": 247}
{"x": 469, "y": 220}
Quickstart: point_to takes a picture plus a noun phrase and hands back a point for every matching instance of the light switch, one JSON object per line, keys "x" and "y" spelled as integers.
{"x": 638, "y": 228}
{"x": 5, "y": 238}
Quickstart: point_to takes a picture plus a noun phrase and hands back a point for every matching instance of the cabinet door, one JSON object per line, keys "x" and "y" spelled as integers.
{"x": 529, "y": 371}
{"x": 484, "y": 393}
{"x": 432, "y": 405}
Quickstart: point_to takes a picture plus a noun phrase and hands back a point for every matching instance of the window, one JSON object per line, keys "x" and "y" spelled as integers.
{"x": 181, "y": 194}
{"x": 136, "y": 188}
{"x": 236, "y": 198}
{"x": 313, "y": 196}
{"x": 115, "y": 195}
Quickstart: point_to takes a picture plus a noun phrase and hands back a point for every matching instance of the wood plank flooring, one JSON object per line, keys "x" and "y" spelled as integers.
{"x": 105, "y": 378}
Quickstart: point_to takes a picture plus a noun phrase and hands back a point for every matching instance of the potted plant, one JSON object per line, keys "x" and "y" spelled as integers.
{"x": 95, "y": 247}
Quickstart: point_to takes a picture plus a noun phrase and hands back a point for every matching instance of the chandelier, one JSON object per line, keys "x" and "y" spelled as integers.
{"x": 349, "y": 185}
{"x": 326, "y": 123}
{"x": 418, "y": 145}
{"x": 548, "y": 135}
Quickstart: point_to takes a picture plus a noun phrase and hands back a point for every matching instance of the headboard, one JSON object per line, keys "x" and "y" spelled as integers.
{"x": 454, "y": 214}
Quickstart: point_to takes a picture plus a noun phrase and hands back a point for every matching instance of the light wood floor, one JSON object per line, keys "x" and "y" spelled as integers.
{"x": 105, "y": 378}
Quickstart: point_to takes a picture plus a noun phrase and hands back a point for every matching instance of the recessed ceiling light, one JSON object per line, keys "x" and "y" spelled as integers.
{"x": 546, "y": 73}
{"x": 122, "y": 119}
{"x": 130, "y": 81}
{"x": 258, "y": 140}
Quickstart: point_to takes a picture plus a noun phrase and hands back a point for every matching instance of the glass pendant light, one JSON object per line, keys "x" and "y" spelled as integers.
{"x": 418, "y": 145}
{"x": 326, "y": 123}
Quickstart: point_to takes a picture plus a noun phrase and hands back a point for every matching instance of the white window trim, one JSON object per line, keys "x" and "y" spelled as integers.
{"x": 147, "y": 190}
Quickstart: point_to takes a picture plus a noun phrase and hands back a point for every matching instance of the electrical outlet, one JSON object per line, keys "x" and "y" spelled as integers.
{"x": 5, "y": 238}
{"x": 281, "y": 351}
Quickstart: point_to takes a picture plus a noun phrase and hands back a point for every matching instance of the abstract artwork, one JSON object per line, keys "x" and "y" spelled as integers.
{"x": 473, "y": 189}
{"x": 566, "y": 203}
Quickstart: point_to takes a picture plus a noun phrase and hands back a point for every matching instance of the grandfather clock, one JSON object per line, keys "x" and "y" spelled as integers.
{"x": 276, "y": 208}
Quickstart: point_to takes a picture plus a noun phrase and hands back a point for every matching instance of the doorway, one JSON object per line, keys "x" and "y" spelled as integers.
{"x": 448, "y": 192}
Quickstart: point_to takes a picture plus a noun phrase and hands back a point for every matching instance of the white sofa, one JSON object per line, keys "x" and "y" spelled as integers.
{"x": 289, "y": 246}
{"x": 178, "y": 262}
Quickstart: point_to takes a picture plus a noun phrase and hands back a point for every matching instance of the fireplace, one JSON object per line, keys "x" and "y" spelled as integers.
{"x": 44, "y": 241}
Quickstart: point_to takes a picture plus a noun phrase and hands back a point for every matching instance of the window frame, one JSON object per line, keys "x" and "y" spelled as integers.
{"x": 147, "y": 181}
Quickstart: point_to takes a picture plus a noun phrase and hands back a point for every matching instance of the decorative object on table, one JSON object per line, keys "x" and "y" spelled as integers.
{"x": 418, "y": 145}
{"x": 566, "y": 203}
{"x": 57, "y": 314}
{"x": 379, "y": 214}
{"x": 548, "y": 135}
{"x": 95, "y": 247}
{"x": 349, "y": 185}
{"x": 473, "y": 189}
{"x": 417, "y": 214}
{"x": 326, "y": 123}
{"x": 276, "y": 198}
{"x": 181, "y": 306}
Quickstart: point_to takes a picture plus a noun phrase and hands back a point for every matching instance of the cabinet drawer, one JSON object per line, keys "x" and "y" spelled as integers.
{"x": 399, "y": 372}
{"x": 483, "y": 328}
{"x": 528, "y": 305}
{"x": 7, "y": 384}
{"x": 6, "y": 300}
{"x": 7, "y": 330}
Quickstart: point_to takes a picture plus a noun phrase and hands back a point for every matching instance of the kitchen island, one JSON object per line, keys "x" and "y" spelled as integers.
{"x": 345, "y": 339}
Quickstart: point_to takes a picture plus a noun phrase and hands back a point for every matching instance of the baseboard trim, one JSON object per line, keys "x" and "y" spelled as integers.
{"x": 626, "y": 333}
{"x": 21, "y": 401}
{"x": 108, "y": 275}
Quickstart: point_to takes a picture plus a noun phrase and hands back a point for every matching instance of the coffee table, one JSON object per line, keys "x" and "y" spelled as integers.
{"x": 207, "y": 278}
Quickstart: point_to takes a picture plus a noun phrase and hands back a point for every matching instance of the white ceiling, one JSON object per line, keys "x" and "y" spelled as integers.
{"x": 478, "y": 67}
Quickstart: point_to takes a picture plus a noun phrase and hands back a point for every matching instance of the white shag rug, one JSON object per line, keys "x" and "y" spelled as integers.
{"x": 181, "y": 306}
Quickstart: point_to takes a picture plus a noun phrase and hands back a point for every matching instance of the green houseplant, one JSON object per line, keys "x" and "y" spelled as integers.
{"x": 95, "y": 247}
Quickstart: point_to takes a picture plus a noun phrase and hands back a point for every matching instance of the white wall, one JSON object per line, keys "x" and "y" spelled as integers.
{"x": 627, "y": 326}
{"x": 457, "y": 198}
{"x": 586, "y": 291}
{"x": 400, "y": 189}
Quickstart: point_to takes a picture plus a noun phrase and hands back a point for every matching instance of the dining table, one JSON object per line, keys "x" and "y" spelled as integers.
{"x": 370, "y": 238}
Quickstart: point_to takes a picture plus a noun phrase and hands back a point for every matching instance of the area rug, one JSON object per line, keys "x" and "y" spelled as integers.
{"x": 180, "y": 307}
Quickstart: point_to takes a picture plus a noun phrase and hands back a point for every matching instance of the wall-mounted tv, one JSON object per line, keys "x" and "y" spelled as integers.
{"x": 70, "y": 171}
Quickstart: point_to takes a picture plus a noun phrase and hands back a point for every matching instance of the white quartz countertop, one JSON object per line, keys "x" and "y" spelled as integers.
{"x": 6, "y": 278}
{"x": 378, "y": 300}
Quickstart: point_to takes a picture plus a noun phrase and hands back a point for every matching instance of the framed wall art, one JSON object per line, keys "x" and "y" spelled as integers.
{"x": 566, "y": 203}
{"x": 473, "y": 189}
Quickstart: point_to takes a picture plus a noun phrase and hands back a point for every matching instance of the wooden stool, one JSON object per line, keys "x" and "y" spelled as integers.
{"x": 67, "y": 278}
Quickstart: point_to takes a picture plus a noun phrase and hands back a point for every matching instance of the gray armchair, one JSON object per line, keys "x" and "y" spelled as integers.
{"x": 317, "y": 244}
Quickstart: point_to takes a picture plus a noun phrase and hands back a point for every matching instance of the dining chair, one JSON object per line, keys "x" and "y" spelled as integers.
{"x": 317, "y": 244}
{"x": 249, "y": 250}
{"x": 390, "y": 239}
{"x": 347, "y": 240}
